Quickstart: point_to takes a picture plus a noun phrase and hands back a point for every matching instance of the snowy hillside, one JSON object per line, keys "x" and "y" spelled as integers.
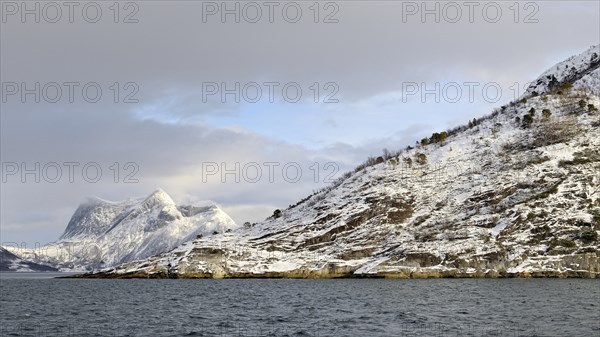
{"x": 515, "y": 193}
{"x": 580, "y": 70}
{"x": 10, "y": 262}
{"x": 102, "y": 233}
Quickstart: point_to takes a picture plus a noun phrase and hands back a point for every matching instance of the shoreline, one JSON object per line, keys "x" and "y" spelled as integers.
{"x": 291, "y": 275}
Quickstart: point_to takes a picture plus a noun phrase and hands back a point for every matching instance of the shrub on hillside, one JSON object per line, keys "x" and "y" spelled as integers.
{"x": 527, "y": 121}
{"x": 421, "y": 159}
{"x": 546, "y": 114}
{"x": 566, "y": 86}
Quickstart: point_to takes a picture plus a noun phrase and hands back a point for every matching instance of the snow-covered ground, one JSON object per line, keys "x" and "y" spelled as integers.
{"x": 580, "y": 70}
{"x": 12, "y": 263}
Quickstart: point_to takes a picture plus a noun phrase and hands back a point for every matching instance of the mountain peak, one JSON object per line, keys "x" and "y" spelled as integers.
{"x": 159, "y": 195}
{"x": 157, "y": 198}
{"x": 581, "y": 71}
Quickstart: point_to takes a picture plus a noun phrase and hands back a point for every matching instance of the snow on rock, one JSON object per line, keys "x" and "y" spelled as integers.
{"x": 12, "y": 263}
{"x": 103, "y": 233}
{"x": 582, "y": 71}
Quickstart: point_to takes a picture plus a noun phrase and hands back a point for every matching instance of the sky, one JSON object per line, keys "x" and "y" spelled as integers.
{"x": 253, "y": 105}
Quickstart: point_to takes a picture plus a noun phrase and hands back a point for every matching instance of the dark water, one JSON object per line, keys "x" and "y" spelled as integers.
{"x": 62, "y": 307}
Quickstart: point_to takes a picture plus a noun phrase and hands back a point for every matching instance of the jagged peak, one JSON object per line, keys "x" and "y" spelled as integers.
{"x": 160, "y": 196}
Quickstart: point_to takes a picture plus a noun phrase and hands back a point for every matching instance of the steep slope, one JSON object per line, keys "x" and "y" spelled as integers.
{"x": 581, "y": 70}
{"x": 10, "y": 262}
{"x": 102, "y": 233}
{"x": 516, "y": 193}
{"x": 93, "y": 218}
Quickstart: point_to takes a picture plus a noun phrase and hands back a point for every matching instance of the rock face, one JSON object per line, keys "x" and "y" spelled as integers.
{"x": 102, "y": 233}
{"x": 513, "y": 194}
{"x": 10, "y": 262}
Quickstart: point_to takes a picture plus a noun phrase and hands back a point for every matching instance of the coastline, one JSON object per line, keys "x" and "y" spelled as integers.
{"x": 573, "y": 274}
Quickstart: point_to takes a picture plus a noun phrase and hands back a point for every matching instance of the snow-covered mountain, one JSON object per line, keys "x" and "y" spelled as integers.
{"x": 103, "y": 233}
{"x": 10, "y": 262}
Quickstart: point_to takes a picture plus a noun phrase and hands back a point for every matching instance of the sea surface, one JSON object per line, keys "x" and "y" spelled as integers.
{"x": 34, "y": 305}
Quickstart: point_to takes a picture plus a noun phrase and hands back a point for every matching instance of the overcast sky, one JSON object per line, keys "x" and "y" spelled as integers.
{"x": 170, "y": 124}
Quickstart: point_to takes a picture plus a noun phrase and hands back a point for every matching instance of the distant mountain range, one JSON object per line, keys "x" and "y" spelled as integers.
{"x": 10, "y": 262}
